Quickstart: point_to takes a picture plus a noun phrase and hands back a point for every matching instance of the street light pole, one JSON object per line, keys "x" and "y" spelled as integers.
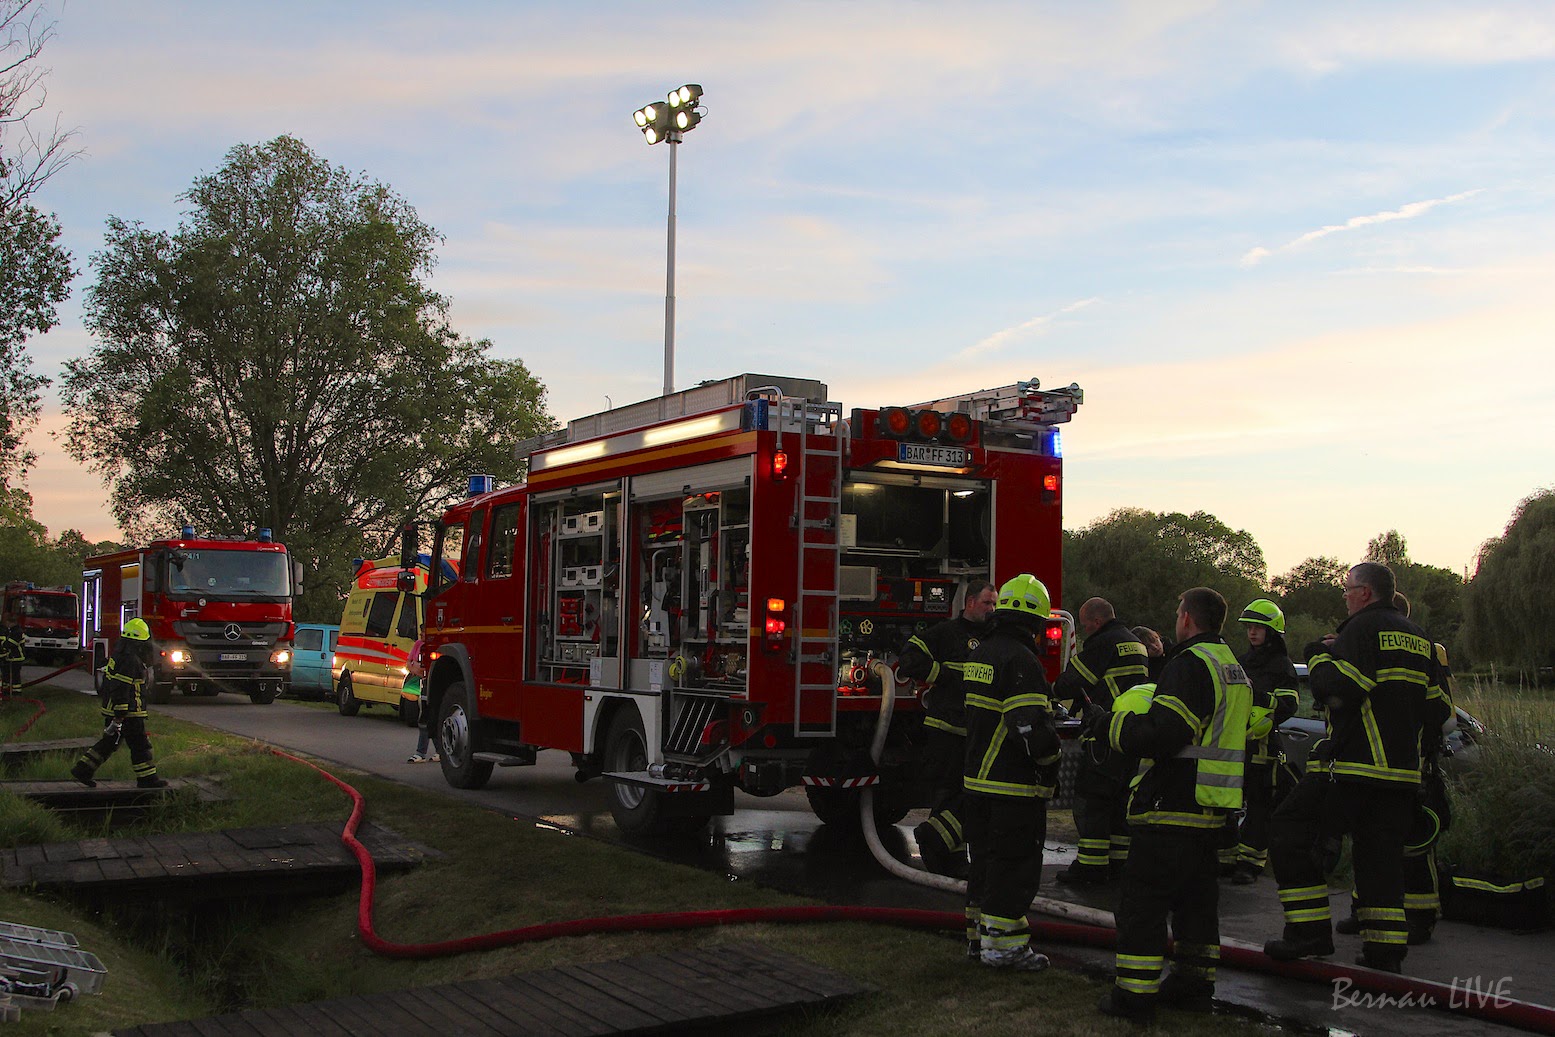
{"x": 670, "y": 120}
{"x": 669, "y": 278}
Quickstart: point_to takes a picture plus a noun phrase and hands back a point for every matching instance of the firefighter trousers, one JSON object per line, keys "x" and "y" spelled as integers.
{"x": 1004, "y": 836}
{"x": 1170, "y": 874}
{"x": 1304, "y": 837}
{"x": 1249, "y": 841}
{"x": 132, "y": 731}
{"x": 1101, "y": 823}
{"x": 944, "y": 760}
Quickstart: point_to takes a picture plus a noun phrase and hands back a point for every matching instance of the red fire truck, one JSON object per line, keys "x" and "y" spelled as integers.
{"x": 688, "y": 594}
{"x": 220, "y": 612}
{"x": 50, "y": 618}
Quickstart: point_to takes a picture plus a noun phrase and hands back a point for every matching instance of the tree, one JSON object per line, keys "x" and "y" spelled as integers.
{"x": 1389, "y": 549}
{"x": 1510, "y": 604}
{"x": 1141, "y": 561}
{"x": 35, "y": 271}
{"x": 1315, "y": 589}
{"x": 278, "y": 361}
{"x": 27, "y": 553}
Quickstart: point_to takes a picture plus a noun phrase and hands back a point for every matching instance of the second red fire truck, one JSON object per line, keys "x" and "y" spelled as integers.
{"x": 220, "y": 612}
{"x": 689, "y": 595}
{"x": 49, "y": 617}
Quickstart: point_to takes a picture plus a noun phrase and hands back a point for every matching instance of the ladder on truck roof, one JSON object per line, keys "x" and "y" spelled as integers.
{"x": 1020, "y": 403}
{"x": 822, "y": 455}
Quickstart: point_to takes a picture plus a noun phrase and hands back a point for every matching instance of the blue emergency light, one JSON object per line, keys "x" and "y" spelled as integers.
{"x": 480, "y": 484}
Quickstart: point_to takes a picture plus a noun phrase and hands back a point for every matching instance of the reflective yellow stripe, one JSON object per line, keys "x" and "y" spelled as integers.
{"x": 944, "y": 725}
{"x": 1175, "y": 704}
{"x": 1033, "y": 699}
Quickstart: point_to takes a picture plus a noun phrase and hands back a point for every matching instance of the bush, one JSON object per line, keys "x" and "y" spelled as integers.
{"x": 1503, "y": 808}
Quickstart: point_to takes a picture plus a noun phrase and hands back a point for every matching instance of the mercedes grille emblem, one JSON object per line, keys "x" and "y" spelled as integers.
{"x": 232, "y": 632}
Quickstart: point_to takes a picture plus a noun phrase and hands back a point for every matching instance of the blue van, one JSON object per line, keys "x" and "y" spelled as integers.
{"x": 313, "y": 657}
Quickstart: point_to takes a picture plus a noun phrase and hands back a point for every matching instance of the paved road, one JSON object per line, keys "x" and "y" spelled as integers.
{"x": 779, "y": 843}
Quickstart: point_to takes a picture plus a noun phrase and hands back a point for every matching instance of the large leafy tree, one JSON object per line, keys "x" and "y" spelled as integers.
{"x": 27, "y": 552}
{"x": 1510, "y": 608}
{"x": 279, "y": 361}
{"x": 35, "y": 271}
{"x": 1141, "y": 561}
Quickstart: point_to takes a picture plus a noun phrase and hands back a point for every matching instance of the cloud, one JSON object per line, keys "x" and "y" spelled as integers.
{"x": 1001, "y": 339}
{"x": 1257, "y": 255}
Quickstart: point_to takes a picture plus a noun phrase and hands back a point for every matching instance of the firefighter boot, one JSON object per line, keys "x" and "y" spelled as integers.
{"x": 1190, "y": 993}
{"x": 1304, "y": 940}
{"x": 1006, "y": 944}
{"x": 153, "y": 782}
{"x": 83, "y": 772}
{"x": 1135, "y": 1008}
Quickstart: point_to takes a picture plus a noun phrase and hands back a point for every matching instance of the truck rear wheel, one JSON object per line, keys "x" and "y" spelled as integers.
{"x": 455, "y": 737}
{"x": 841, "y": 807}
{"x": 346, "y": 700}
{"x": 639, "y": 811}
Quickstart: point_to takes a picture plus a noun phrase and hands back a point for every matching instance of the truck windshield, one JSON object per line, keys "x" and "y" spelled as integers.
{"x": 229, "y": 574}
{"x": 49, "y": 606}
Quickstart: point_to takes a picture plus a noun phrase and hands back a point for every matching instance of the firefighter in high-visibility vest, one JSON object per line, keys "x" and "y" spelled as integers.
{"x": 1192, "y": 739}
{"x": 1112, "y": 660}
{"x": 123, "y": 705}
{"x": 1378, "y": 681}
{"x": 1275, "y": 699}
{"x": 936, "y": 658}
{"x": 1011, "y": 772}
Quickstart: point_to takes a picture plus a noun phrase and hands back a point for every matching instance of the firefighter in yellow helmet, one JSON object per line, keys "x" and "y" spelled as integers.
{"x": 1011, "y": 772}
{"x": 1275, "y": 698}
{"x": 124, "y": 709}
{"x": 1192, "y": 739}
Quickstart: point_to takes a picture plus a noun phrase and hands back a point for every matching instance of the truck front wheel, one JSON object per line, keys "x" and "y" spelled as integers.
{"x": 158, "y": 692}
{"x": 455, "y": 734}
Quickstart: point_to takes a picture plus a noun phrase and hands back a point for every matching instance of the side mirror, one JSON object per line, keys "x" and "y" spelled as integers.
{"x": 296, "y": 578}
{"x": 151, "y": 578}
{"x": 405, "y": 582}
{"x": 408, "y": 546}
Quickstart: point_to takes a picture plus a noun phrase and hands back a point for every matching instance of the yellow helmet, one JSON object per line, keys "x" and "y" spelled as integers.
{"x": 1265, "y": 613}
{"x": 137, "y": 630}
{"x": 1025, "y": 595}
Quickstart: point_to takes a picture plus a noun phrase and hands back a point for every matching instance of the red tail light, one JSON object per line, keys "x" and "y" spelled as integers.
{"x": 929, "y": 424}
{"x": 780, "y": 465}
{"x": 959, "y": 426}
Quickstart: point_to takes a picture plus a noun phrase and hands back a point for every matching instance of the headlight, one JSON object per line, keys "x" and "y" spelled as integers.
{"x": 178, "y": 656}
{"x": 281, "y": 658}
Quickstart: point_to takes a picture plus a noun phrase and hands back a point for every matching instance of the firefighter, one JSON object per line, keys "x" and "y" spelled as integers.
{"x": 936, "y": 658}
{"x": 1275, "y": 699}
{"x": 1011, "y": 772}
{"x": 1377, "y": 680}
{"x": 1113, "y": 660}
{"x": 1433, "y": 816}
{"x": 124, "y": 710}
{"x": 1193, "y": 733}
{"x": 11, "y": 654}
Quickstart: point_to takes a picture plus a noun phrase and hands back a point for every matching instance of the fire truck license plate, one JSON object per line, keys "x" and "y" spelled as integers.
{"x": 234, "y": 657}
{"x": 922, "y": 453}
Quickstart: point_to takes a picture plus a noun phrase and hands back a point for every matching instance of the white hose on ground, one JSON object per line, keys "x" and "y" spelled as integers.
{"x": 1057, "y": 908}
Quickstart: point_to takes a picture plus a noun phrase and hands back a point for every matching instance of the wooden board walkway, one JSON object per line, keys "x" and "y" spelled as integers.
{"x": 118, "y": 801}
{"x": 15, "y": 754}
{"x": 209, "y": 865}
{"x": 704, "y": 990}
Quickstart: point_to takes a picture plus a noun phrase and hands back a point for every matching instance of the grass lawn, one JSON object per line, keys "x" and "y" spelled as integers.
{"x": 499, "y": 873}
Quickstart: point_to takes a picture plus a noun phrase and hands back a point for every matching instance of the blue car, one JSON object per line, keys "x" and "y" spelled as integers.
{"x": 313, "y": 656}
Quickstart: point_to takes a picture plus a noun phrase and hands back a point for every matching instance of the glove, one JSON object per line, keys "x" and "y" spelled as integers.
{"x": 113, "y": 727}
{"x": 1097, "y": 719}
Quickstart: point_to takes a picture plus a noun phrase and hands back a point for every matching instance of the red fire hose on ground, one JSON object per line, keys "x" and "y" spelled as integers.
{"x": 1419, "y": 992}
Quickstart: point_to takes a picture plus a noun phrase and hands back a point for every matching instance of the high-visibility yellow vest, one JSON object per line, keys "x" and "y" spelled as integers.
{"x": 1221, "y": 749}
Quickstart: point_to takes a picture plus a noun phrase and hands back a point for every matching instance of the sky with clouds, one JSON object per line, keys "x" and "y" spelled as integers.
{"x": 1299, "y": 256}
